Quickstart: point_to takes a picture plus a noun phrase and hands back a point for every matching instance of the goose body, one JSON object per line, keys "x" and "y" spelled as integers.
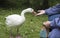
{"x": 15, "y": 19}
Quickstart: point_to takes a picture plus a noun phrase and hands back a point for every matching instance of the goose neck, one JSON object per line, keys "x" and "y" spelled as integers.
{"x": 23, "y": 12}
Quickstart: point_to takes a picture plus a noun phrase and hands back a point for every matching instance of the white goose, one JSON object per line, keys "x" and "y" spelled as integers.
{"x": 17, "y": 20}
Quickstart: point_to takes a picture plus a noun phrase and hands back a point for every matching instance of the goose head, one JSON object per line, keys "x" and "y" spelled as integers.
{"x": 30, "y": 10}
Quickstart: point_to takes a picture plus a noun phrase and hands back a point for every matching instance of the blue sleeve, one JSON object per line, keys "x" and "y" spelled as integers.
{"x": 55, "y": 23}
{"x": 53, "y": 10}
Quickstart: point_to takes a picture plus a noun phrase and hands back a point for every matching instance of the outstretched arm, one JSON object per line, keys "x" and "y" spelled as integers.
{"x": 50, "y": 11}
{"x": 41, "y": 12}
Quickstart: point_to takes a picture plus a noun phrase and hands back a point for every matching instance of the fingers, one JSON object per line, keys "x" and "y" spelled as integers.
{"x": 38, "y": 10}
{"x": 38, "y": 14}
{"x": 41, "y": 11}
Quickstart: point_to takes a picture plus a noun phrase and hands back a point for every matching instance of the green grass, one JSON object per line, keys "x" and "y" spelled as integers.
{"x": 30, "y": 28}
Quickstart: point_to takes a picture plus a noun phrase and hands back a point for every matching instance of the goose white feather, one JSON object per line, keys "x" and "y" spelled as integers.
{"x": 15, "y": 19}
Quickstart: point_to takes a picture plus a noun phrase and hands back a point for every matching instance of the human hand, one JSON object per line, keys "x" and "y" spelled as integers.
{"x": 47, "y": 24}
{"x": 41, "y": 12}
